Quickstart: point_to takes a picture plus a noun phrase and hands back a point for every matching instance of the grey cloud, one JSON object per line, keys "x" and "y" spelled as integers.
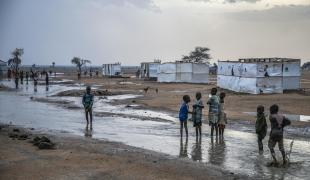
{"x": 143, "y": 4}
{"x": 277, "y": 13}
{"x": 227, "y": 1}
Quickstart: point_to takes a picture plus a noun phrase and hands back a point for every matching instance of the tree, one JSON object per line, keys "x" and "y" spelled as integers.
{"x": 14, "y": 63}
{"x": 79, "y": 62}
{"x": 200, "y": 54}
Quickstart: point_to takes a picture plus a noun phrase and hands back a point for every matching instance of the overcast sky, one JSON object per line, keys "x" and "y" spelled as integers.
{"x": 131, "y": 31}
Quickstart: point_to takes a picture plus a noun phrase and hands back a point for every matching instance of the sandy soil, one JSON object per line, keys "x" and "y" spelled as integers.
{"x": 86, "y": 158}
{"x": 170, "y": 95}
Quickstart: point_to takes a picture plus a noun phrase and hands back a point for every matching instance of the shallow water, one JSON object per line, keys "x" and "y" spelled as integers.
{"x": 237, "y": 153}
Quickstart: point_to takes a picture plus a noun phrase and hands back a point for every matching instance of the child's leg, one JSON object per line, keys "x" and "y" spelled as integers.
{"x": 281, "y": 148}
{"x": 271, "y": 145}
{"x": 199, "y": 128}
{"x": 185, "y": 125}
{"x": 91, "y": 118}
{"x": 216, "y": 129}
{"x": 260, "y": 143}
{"x": 86, "y": 115}
{"x": 212, "y": 129}
{"x": 196, "y": 130}
{"x": 181, "y": 128}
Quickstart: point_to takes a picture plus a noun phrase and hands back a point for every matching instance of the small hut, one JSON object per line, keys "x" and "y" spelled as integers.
{"x": 111, "y": 69}
{"x": 184, "y": 72}
{"x": 150, "y": 70}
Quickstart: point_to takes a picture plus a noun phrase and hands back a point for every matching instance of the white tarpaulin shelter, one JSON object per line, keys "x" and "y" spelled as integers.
{"x": 263, "y": 75}
{"x": 111, "y": 69}
{"x": 184, "y": 72}
{"x": 149, "y": 69}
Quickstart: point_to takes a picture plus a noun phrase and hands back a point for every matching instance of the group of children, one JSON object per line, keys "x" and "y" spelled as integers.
{"x": 217, "y": 121}
{"x": 217, "y": 116}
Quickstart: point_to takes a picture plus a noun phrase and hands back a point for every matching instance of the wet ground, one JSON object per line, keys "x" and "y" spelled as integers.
{"x": 236, "y": 153}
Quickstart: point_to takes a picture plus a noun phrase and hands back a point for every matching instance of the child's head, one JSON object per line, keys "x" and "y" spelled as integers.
{"x": 198, "y": 95}
{"x": 260, "y": 109}
{"x": 213, "y": 91}
{"x": 88, "y": 89}
{"x": 222, "y": 96}
{"x": 186, "y": 98}
{"x": 274, "y": 109}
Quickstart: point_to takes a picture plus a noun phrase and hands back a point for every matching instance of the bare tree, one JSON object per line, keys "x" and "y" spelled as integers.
{"x": 79, "y": 62}
{"x": 15, "y": 61}
{"x": 200, "y": 54}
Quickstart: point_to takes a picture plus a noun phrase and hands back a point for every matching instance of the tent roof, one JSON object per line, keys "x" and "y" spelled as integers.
{"x": 264, "y": 60}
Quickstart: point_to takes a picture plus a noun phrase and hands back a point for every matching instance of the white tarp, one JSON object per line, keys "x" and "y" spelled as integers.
{"x": 290, "y": 83}
{"x": 267, "y": 85}
{"x": 291, "y": 69}
{"x": 238, "y": 84}
{"x": 111, "y": 69}
{"x": 251, "y": 85}
{"x": 183, "y": 72}
{"x": 237, "y": 69}
{"x": 269, "y": 69}
{"x": 153, "y": 69}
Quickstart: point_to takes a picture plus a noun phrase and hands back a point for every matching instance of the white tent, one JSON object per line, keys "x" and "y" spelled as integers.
{"x": 184, "y": 72}
{"x": 111, "y": 69}
{"x": 257, "y": 76}
{"x": 149, "y": 69}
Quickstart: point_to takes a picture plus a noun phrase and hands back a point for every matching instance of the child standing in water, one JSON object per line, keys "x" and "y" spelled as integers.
{"x": 213, "y": 103}
{"x": 197, "y": 114}
{"x": 277, "y": 123}
{"x": 88, "y": 100}
{"x": 260, "y": 127}
{"x": 183, "y": 114}
{"x": 222, "y": 115}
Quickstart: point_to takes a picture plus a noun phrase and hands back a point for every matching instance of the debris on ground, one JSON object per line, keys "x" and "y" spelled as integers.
{"x": 43, "y": 142}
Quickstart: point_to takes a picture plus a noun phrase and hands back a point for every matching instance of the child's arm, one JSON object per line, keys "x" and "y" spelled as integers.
{"x": 286, "y": 121}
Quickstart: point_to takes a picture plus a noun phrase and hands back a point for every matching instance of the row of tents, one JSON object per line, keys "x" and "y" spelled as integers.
{"x": 252, "y": 75}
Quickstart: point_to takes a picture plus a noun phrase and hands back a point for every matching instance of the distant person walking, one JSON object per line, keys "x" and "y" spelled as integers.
{"x": 213, "y": 103}
{"x": 197, "y": 114}
{"x": 9, "y": 74}
{"x": 183, "y": 114}
{"x": 46, "y": 79}
{"x": 222, "y": 115}
{"x": 21, "y": 76}
{"x": 260, "y": 127}
{"x": 277, "y": 122}
{"x": 88, "y": 100}
{"x": 27, "y": 77}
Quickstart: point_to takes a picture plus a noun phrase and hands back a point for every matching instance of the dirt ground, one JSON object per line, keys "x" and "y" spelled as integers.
{"x": 86, "y": 158}
{"x": 169, "y": 96}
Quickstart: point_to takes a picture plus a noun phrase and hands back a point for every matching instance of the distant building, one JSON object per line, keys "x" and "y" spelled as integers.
{"x": 184, "y": 72}
{"x": 149, "y": 70}
{"x": 111, "y": 69}
{"x": 132, "y": 70}
{"x": 3, "y": 68}
{"x": 259, "y": 75}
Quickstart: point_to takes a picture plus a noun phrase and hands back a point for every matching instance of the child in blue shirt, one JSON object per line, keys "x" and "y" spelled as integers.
{"x": 183, "y": 114}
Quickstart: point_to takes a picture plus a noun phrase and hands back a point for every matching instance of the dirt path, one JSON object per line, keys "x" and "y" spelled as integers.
{"x": 84, "y": 158}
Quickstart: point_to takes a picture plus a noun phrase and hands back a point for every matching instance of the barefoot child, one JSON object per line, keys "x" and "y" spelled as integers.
{"x": 277, "y": 123}
{"x": 183, "y": 114}
{"x": 197, "y": 113}
{"x": 213, "y": 103}
{"x": 87, "y": 101}
{"x": 222, "y": 115}
{"x": 260, "y": 127}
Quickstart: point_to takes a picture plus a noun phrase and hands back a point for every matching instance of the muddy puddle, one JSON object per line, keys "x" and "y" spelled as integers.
{"x": 236, "y": 153}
